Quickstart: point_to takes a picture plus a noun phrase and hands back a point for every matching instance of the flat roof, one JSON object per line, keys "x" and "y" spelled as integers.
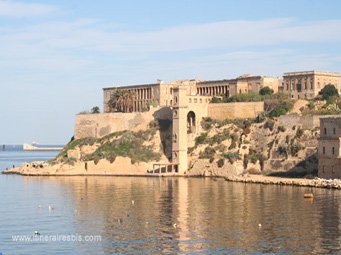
{"x": 312, "y": 72}
{"x": 132, "y": 86}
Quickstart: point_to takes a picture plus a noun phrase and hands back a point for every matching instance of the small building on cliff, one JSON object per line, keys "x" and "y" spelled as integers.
{"x": 308, "y": 84}
{"x": 329, "y": 149}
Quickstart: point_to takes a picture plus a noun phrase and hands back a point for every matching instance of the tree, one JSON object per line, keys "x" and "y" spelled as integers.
{"x": 95, "y": 109}
{"x": 122, "y": 101}
{"x": 328, "y": 92}
{"x": 266, "y": 91}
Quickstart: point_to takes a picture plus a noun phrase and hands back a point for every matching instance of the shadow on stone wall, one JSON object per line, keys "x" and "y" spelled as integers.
{"x": 307, "y": 167}
{"x": 164, "y": 116}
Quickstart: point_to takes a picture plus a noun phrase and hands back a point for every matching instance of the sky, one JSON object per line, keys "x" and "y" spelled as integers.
{"x": 57, "y": 55}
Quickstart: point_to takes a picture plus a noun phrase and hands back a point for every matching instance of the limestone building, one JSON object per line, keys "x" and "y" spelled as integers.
{"x": 307, "y": 84}
{"x": 161, "y": 94}
{"x": 329, "y": 150}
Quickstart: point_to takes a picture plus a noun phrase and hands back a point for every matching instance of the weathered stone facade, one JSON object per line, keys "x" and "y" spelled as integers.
{"x": 99, "y": 125}
{"x": 329, "y": 150}
{"x": 240, "y": 110}
{"x": 307, "y": 84}
{"x": 161, "y": 93}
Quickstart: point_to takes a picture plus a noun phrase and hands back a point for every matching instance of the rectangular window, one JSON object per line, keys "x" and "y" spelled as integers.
{"x": 334, "y": 131}
{"x": 333, "y": 150}
{"x": 324, "y": 150}
{"x": 195, "y": 100}
{"x": 325, "y": 131}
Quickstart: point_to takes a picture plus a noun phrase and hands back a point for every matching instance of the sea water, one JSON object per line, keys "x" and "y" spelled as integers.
{"x": 138, "y": 215}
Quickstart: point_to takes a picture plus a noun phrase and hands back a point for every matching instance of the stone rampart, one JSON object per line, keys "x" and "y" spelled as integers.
{"x": 99, "y": 125}
{"x": 306, "y": 122}
{"x": 239, "y": 110}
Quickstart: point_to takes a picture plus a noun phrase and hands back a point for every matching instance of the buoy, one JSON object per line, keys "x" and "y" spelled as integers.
{"x": 308, "y": 195}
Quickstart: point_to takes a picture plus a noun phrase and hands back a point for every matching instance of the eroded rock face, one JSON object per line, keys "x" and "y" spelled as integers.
{"x": 262, "y": 147}
{"x": 203, "y": 167}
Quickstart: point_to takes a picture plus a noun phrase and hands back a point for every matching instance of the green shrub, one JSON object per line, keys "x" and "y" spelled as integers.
{"x": 216, "y": 100}
{"x": 328, "y": 92}
{"x": 208, "y": 153}
{"x": 266, "y": 91}
{"x": 232, "y": 156}
{"x": 190, "y": 149}
{"x": 218, "y": 138}
{"x": 95, "y": 110}
{"x": 206, "y": 123}
{"x": 201, "y": 139}
{"x": 295, "y": 148}
{"x": 220, "y": 147}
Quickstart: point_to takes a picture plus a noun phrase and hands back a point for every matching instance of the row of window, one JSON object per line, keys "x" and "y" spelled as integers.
{"x": 325, "y": 131}
{"x": 324, "y": 169}
{"x": 195, "y": 100}
{"x": 324, "y": 150}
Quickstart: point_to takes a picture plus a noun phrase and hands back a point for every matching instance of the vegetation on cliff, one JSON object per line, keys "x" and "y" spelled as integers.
{"x": 275, "y": 104}
{"x": 138, "y": 146}
{"x": 260, "y": 146}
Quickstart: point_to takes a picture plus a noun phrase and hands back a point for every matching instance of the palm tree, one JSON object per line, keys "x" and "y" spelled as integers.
{"x": 122, "y": 100}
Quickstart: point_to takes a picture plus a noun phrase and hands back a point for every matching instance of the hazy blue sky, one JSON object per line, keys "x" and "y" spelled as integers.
{"x": 55, "y": 55}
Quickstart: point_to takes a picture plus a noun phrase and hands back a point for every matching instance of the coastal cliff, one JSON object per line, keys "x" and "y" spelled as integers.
{"x": 222, "y": 148}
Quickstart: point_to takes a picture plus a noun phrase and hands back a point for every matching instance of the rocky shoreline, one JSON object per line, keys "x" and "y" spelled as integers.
{"x": 244, "y": 178}
{"x": 303, "y": 182}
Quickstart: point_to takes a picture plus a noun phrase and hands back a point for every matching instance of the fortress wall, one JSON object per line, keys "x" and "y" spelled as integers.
{"x": 238, "y": 110}
{"x": 99, "y": 125}
{"x": 307, "y": 122}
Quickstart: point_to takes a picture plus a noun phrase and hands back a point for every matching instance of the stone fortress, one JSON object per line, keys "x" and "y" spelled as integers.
{"x": 186, "y": 102}
{"x": 161, "y": 93}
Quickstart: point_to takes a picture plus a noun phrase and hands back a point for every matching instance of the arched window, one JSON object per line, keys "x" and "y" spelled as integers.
{"x": 191, "y": 122}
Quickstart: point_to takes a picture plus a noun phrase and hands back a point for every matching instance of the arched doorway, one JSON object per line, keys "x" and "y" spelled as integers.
{"x": 191, "y": 122}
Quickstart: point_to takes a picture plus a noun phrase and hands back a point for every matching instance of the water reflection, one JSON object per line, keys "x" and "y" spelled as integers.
{"x": 192, "y": 216}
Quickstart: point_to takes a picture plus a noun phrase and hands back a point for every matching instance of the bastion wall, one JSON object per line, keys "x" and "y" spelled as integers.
{"x": 102, "y": 124}
{"x": 306, "y": 122}
{"x": 239, "y": 110}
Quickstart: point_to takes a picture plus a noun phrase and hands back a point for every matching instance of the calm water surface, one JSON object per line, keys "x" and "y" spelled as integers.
{"x": 211, "y": 216}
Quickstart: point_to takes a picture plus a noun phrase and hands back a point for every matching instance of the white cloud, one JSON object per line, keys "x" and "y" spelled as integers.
{"x": 14, "y": 9}
{"x": 85, "y": 34}
{"x": 84, "y": 44}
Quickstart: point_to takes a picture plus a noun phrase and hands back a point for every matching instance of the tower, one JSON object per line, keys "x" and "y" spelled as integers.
{"x": 180, "y": 109}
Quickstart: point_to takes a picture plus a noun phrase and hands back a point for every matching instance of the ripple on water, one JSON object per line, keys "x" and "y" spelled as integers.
{"x": 169, "y": 215}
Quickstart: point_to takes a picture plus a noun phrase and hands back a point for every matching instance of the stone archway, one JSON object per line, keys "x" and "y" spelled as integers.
{"x": 191, "y": 122}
